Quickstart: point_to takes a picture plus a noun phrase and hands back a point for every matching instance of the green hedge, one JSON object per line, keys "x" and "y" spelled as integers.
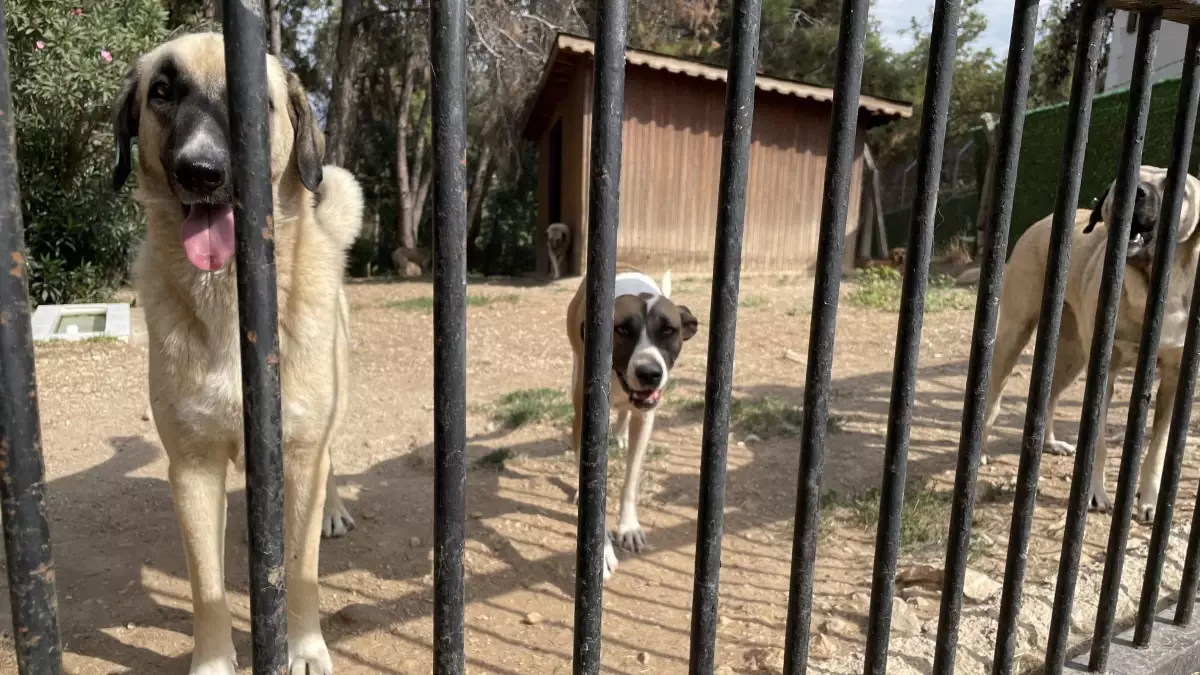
{"x": 1041, "y": 150}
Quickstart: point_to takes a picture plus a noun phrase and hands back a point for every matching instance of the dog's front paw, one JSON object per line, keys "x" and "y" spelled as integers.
{"x": 1099, "y": 501}
{"x": 308, "y": 655}
{"x": 337, "y": 521}
{"x": 1062, "y": 448}
{"x": 631, "y": 537}
{"x": 610, "y": 557}
{"x": 1146, "y": 508}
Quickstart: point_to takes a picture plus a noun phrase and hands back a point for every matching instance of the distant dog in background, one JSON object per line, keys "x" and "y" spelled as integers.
{"x": 558, "y": 242}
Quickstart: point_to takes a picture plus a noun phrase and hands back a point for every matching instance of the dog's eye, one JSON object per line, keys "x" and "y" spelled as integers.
{"x": 160, "y": 92}
{"x": 668, "y": 331}
{"x": 624, "y": 331}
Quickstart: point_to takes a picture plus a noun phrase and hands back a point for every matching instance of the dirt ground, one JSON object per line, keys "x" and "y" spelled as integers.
{"x": 123, "y": 591}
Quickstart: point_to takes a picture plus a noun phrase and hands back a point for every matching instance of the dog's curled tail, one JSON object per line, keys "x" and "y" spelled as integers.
{"x": 340, "y": 206}
{"x": 665, "y": 287}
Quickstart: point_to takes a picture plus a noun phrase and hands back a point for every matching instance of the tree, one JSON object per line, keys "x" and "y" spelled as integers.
{"x": 66, "y": 65}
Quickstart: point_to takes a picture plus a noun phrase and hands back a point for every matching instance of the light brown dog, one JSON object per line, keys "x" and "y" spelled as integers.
{"x": 648, "y": 333}
{"x": 174, "y": 102}
{"x": 558, "y": 242}
{"x": 1020, "y": 305}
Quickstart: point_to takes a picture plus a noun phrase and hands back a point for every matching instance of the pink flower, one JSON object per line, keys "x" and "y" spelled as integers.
{"x": 106, "y": 56}
{"x": 78, "y": 11}
{"x": 39, "y": 45}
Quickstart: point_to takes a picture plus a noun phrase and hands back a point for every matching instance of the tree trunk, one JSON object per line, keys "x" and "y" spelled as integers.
{"x": 989, "y": 179}
{"x": 485, "y": 168}
{"x": 412, "y": 174}
{"x": 274, "y": 15}
{"x": 339, "y": 123}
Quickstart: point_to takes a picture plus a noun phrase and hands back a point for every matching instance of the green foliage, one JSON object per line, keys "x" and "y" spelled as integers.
{"x": 1041, "y": 151}
{"x": 880, "y": 288}
{"x": 528, "y": 406}
{"x": 977, "y": 87}
{"x": 67, "y": 59}
{"x": 509, "y": 218}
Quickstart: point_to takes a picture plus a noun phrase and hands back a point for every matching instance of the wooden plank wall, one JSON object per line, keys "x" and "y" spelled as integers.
{"x": 671, "y": 169}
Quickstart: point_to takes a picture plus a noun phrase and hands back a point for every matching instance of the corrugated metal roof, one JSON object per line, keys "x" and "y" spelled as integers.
{"x": 672, "y": 64}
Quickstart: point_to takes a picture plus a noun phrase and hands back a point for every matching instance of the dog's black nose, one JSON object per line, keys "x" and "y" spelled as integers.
{"x": 200, "y": 174}
{"x": 649, "y": 374}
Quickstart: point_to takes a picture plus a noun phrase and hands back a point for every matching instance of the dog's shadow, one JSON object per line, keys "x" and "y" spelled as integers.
{"x": 121, "y": 566}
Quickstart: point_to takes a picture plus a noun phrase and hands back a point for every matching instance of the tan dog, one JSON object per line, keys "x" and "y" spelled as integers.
{"x": 648, "y": 333}
{"x": 174, "y": 103}
{"x": 1020, "y": 304}
{"x": 558, "y": 242}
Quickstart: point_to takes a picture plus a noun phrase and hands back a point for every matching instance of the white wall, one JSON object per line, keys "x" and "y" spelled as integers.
{"x": 1172, "y": 38}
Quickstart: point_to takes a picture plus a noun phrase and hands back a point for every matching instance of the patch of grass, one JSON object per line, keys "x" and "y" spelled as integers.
{"x": 767, "y": 417}
{"x": 495, "y": 460}
{"x": 752, "y": 301}
{"x": 489, "y": 300}
{"x": 797, "y": 310}
{"x": 527, "y": 406}
{"x": 880, "y": 288}
{"x": 103, "y": 339}
{"x": 923, "y": 520}
{"x": 764, "y": 417}
{"x": 425, "y": 304}
{"x": 412, "y": 304}
{"x": 835, "y": 424}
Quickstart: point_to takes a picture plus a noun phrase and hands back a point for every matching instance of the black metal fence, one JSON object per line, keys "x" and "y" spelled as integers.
{"x": 27, "y": 539}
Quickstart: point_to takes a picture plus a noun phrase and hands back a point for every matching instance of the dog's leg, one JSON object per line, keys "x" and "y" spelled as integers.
{"x": 1099, "y": 500}
{"x": 198, "y": 490}
{"x": 1069, "y": 362}
{"x": 554, "y": 266}
{"x": 1011, "y": 338}
{"x": 629, "y": 530}
{"x": 306, "y": 470}
{"x": 577, "y": 420}
{"x": 621, "y": 432}
{"x": 1152, "y": 465}
{"x": 336, "y": 521}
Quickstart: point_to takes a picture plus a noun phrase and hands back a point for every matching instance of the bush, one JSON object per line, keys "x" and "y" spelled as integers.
{"x": 67, "y": 61}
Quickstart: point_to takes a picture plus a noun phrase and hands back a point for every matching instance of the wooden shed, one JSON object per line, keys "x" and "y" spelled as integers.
{"x": 670, "y": 164}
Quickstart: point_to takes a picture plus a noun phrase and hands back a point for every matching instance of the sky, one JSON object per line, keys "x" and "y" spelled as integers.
{"x": 894, "y": 15}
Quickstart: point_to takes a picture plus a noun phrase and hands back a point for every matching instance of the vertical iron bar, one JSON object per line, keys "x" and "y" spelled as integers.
{"x": 447, "y": 39}
{"x": 246, "y": 72}
{"x": 1181, "y": 148}
{"x": 935, "y": 111}
{"x": 718, "y": 388}
{"x": 1092, "y": 423}
{"x": 22, "y": 489}
{"x": 1143, "y": 380}
{"x": 608, "y": 101}
{"x": 987, "y": 309}
{"x": 843, "y": 129}
{"x": 1093, "y": 27}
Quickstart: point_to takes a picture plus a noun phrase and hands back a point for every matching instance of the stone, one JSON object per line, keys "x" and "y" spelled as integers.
{"x": 643, "y": 658}
{"x": 533, "y": 619}
{"x": 979, "y": 587}
{"x": 904, "y": 618}
{"x": 822, "y": 647}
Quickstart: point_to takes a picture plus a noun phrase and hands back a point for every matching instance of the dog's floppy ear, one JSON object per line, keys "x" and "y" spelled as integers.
{"x": 309, "y": 144}
{"x": 1097, "y": 210}
{"x": 690, "y": 323}
{"x": 126, "y": 112}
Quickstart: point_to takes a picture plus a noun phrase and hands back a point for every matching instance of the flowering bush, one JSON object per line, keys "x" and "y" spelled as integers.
{"x": 67, "y": 59}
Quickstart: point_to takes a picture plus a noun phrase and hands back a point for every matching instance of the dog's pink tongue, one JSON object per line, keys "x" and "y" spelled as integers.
{"x": 208, "y": 235}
